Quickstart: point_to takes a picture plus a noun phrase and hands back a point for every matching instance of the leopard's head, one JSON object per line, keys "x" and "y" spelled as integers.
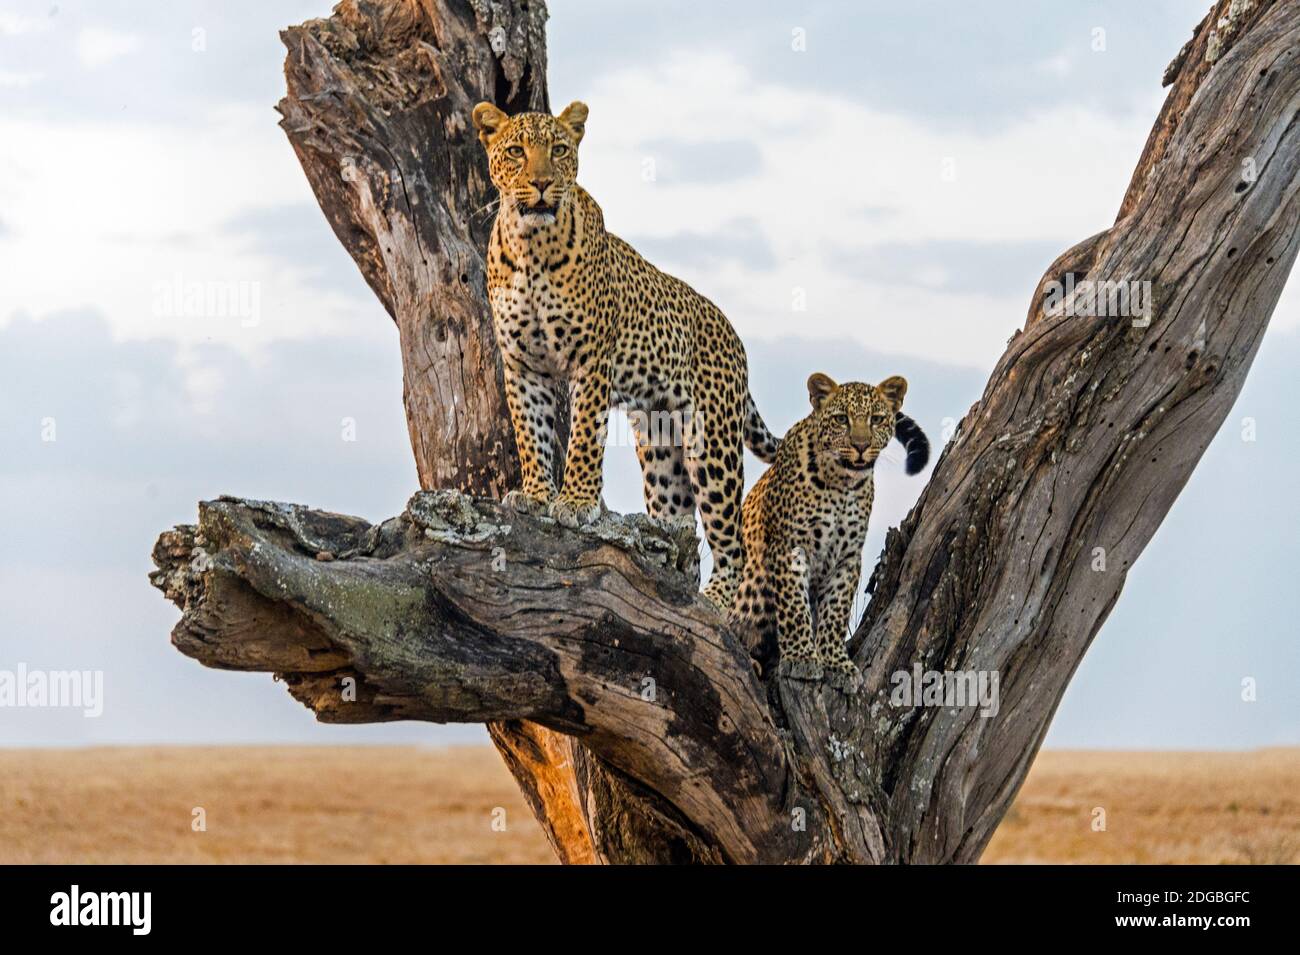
{"x": 853, "y": 422}
{"x": 532, "y": 157}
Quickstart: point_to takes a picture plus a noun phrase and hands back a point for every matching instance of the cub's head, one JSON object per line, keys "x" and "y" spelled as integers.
{"x": 853, "y": 422}
{"x": 532, "y": 157}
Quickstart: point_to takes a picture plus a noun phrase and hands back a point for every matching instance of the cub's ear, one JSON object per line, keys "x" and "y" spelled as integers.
{"x": 488, "y": 120}
{"x": 819, "y": 389}
{"x": 575, "y": 117}
{"x": 893, "y": 389}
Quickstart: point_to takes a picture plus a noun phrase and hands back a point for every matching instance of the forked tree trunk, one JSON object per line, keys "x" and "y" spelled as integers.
{"x": 627, "y": 711}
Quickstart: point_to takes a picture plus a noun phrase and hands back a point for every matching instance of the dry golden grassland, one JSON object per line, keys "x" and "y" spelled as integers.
{"x": 406, "y": 804}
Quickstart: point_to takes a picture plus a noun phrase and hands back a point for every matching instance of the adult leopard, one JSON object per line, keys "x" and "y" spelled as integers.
{"x": 575, "y": 306}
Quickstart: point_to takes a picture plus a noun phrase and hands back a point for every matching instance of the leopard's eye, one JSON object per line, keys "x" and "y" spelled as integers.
{"x": 515, "y": 152}
{"x": 877, "y": 420}
{"x": 559, "y": 149}
{"x": 840, "y": 419}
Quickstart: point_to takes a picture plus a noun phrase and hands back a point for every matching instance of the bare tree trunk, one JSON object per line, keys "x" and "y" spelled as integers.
{"x": 626, "y": 709}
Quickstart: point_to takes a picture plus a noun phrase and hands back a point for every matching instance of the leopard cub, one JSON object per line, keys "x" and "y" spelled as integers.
{"x": 805, "y": 522}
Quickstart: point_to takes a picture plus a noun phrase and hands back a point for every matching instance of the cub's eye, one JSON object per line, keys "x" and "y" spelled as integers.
{"x": 840, "y": 419}
{"x": 559, "y": 149}
{"x": 877, "y": 420}
{"x": 515, "y": 152}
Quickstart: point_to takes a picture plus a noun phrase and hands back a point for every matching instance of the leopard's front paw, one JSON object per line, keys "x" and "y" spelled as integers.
{"x": 574, "y": 512}
{"x": 525, "y": 503}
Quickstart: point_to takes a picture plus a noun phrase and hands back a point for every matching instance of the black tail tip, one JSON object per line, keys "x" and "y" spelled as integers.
{"x": 914, "y": 440}
{"x": 917, "y": 459}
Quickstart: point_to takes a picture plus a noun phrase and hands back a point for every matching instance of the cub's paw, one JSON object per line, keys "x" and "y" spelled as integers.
{"x": 524, "y": 502}
{"x": 574, "y": 513}
{"x": 800, "y": 668}
{"x": 843, "y": 675}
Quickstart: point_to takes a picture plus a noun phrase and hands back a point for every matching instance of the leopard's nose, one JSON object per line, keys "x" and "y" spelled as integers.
{"x": 541, "y": 184}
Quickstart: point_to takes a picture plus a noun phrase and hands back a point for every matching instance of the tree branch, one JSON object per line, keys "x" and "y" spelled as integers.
{"x": 459, "y": 611}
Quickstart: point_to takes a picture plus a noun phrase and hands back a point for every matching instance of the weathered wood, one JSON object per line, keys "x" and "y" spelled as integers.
{"x": 457, "y": 610}
{"x": 461, "y": 611}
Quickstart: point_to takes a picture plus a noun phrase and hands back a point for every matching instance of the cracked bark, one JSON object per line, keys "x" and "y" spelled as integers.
{"x": 456, "y": 610}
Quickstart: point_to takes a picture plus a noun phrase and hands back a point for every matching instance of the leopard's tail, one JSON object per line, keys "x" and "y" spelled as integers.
{"x": 757, "y": 438}
{"x": 914, "y": 440}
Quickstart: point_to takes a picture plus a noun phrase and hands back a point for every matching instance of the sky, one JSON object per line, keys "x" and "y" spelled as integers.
{"x": 905, "y": 184}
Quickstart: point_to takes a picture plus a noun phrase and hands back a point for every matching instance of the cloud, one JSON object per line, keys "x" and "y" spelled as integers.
{"x": 159, "y": 208}
{"x": 813, "y": 202}
{"x": 10, "y": 80}
{"x": 862, "y": 224}
{"x": 97, "y": 46}
{"x": 975, "y": 73}
{"x": 857, "y": 219}
{"x": 741, "y": 244}
{"x": 702, "y": 161}
{"x": 17, "y": 24}
{"x": 1058, "y": 67}
{"x": 961, "y": 266}
{"x": 298, "y": 237}
{"x": 140, "y": 61}
{"x": 791, "y": 201}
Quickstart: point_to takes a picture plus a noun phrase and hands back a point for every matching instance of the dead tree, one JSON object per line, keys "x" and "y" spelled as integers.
{"x": 626, "y": 709}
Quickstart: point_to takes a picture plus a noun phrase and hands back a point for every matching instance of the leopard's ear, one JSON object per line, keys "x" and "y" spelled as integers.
{"x": 893, "y": 389}
{"x": 575, "y": 118}
{"x": 489, "y": 121}
{"x": 820, "y": 388}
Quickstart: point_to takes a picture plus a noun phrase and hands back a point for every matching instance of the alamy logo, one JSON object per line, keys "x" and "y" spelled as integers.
{"x": 946, "y": 688}
{"x": 1105, "y": 299}
{"x": 73, "y": 689}
{"x": 103, "y": 908}
{"x": 660, "y": 429}
{"x": 179, "y": 298}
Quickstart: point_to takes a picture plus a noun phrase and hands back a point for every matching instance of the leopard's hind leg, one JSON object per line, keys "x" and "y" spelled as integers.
{"x": 714, "y": 464}
{"x": 659, "y": 448}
